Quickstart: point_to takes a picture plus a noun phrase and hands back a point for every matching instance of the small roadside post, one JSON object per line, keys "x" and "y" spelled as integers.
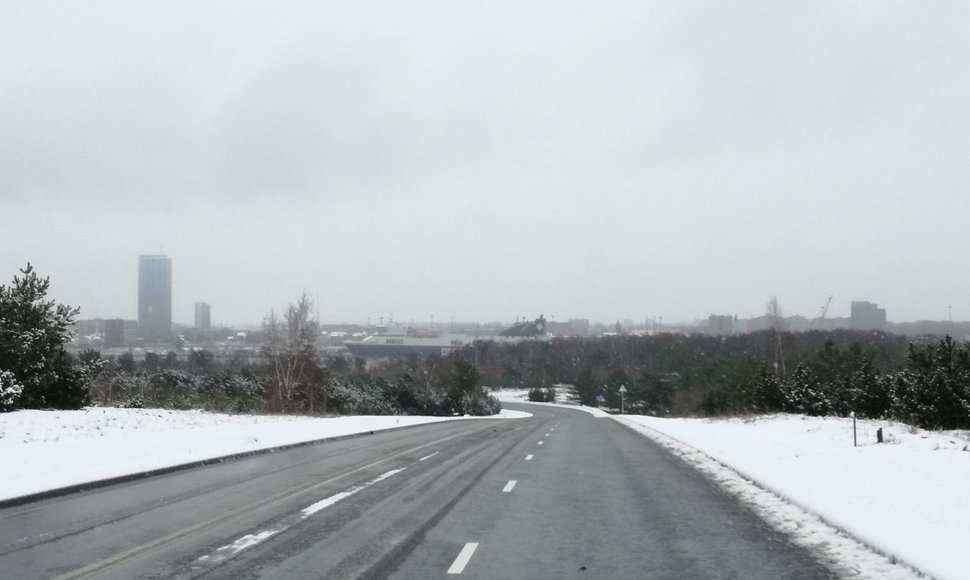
{"x": 855, "y": 440}
{"x": 622, "y": 393}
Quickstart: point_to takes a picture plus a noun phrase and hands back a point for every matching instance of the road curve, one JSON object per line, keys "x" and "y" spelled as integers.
{"x": 560, "y": 495}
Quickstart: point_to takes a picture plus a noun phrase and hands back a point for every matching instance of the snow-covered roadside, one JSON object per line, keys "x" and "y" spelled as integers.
{"x": 889, "y": 511}
{"x": 44, "y": 450}
{"x": 906, "y": 498}
{"x": 522, "y": 396}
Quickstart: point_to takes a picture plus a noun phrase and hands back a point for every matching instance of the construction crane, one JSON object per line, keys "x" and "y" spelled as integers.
{"x": 817, "y": 323}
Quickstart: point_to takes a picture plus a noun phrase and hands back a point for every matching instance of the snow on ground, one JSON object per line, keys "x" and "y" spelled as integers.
{"x": 906, "y": 498}
{"x": 42, "y": 450}
{"x": 511, "y": 395}
{"x": 522, "y": 396}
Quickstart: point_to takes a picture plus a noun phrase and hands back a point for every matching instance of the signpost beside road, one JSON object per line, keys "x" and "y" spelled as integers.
{"x": 622, "y": 393}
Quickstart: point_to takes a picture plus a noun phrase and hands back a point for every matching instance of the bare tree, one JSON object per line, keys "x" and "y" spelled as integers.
{"x": 777, "y": 325}
{"x": 290, "y": 348}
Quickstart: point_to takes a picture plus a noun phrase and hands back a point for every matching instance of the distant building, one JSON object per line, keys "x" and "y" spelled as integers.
{"x": 114, "y": 333}
{"x": 580, "y": 326}
{"x": 154, "y": 297}
{"x": 131, "y": 329}
{"x": 572, "y": 327}
{"x": 867, "y": 316}
{"x": 720, "y": 324}
{"x": 88, "y": 327}
{"x": 760, "y": 323}
{"x": 534, "y": 328}
{"x": 203, "y": 319}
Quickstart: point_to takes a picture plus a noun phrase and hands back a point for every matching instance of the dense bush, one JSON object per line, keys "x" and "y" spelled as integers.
{"x": 360, "y": 397}
{"x": 228, "y": 391}
{"x": 539, "y": 395}
{"x": 932, "y": 391}
{"x": 443, "y": 386}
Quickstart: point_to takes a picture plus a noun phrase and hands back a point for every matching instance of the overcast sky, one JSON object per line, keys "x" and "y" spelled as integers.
{"x": 485, "y": 160}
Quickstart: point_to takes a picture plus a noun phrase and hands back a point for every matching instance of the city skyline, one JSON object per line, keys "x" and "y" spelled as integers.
{"x": 156, "y": 299}
{"x": 155, "y": 289}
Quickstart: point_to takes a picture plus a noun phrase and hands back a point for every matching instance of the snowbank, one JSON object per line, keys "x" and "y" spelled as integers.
{"x": 43, "y": 450}
{"x": 907, "y": 497}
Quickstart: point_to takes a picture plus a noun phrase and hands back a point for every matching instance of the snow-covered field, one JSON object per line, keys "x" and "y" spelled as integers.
{"x": 43, "y": 450}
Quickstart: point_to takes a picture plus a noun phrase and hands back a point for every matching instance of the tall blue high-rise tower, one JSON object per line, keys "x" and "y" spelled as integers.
{"x": 154, "y": 297}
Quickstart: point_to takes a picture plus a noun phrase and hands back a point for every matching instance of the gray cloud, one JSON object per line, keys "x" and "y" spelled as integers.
{"x": 492, "y": 160}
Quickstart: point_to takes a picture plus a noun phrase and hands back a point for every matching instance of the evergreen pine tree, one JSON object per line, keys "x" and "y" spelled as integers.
{"x": 33, "y": 331}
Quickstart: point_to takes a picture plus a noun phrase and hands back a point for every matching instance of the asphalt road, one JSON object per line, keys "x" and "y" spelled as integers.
{"x": 560, "y": 495}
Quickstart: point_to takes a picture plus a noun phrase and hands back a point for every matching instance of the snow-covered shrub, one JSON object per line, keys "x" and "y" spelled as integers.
{"x": 229, "y": 391}
{"x": 10, "y": 391}
{"x": 171, "y": 390}
{"x": 133, "y": 402}
{"x": 464, "y": 391}
{"x": 804, "y": 393}
{"x": 243, "y": 390}
{"x": 414, "y": 398}
{"x": 542, "y": 395}
{"x": 480, "y": 403}
{"x": 867, "y": 393}
{"x": 359, "y": 397}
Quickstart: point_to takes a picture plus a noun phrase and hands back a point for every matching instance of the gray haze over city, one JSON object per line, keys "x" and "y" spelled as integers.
{"x": 490, "y": 160}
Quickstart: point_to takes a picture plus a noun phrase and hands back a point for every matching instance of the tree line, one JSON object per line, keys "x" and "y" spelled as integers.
{"x": 441, "y": 386}
{"x": 873, "y": 374}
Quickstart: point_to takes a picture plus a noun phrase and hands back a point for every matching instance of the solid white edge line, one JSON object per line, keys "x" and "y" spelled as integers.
{"x": 508, "y": 486}
{"x": 529, "y": 457}
{"x": 458, "y": 566}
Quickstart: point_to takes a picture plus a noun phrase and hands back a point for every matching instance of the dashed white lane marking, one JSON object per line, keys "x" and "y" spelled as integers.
{"x": 250, "y": 540}
{"x": 247, "y": 541}
{"x": 546, "y": 434}
{"x": 429, "y": 456}
{"x": 458, "y": 566}
{"x": 528, "y": 457}
{"x": 508, "y": 486}
{"x": 325, "y": 503}
{"x": 540, "y": 443}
